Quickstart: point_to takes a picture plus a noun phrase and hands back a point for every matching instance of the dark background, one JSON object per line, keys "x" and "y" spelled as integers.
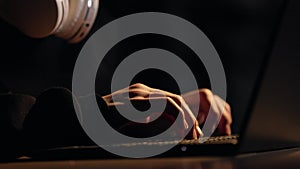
{"x": 242, "y": 32}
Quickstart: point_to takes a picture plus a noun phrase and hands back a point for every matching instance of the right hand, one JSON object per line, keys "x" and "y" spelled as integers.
{"x": 141, "y": 94}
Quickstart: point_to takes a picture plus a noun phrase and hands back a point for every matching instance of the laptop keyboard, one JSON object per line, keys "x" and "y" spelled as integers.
{"x": 232, "y": 139}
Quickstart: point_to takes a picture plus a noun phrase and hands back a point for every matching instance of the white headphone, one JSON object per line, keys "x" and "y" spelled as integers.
{"x": 77, "y": 18}
{"x": 68, "y": 19}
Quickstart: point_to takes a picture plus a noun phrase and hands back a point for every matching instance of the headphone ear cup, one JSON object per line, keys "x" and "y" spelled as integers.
{"x": 81, "y": 15}
{"x": 89, "y": 17}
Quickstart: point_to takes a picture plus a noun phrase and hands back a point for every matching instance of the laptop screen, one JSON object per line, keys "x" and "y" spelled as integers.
{"x": 241, "y": 32}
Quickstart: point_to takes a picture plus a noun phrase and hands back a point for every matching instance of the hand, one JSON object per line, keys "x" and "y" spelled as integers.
{"x": 139, "y": 93}
{"x": 185, "y": 105}
{"x": 208, "y": 101}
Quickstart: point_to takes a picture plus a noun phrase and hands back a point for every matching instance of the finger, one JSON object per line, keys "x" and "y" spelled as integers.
{"x": 134, "y": 90}
{"x": 125, "y": 94}
{"x": 197, "y": 132}
{"x": 202, "y": 110}
{"x": 171, "y": 103}
{"x": 226, "y": 119}
{"x": 212, "y": 117}
{"x": 143, "y": 90}
{"x": 108, "y": 98}
{"x": 206, "y": 100}
{"x": 139, "y": 92}
{"x": 189, "y": 116}
{"x": 125, "y": 90}
{"x": 139, "y": 86}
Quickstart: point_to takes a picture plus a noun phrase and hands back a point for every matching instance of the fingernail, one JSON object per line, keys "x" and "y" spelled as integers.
{"x": 199, "y": 131}
{"x": 186, "y": 126}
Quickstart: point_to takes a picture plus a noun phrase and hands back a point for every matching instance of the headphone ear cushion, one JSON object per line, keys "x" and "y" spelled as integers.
{"x": 62, "y": 13}
{"x": 80, "y": 18}
{"x": 73, "y": 16}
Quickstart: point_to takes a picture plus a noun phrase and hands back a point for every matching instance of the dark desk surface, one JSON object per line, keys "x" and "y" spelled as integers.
{"x": 276, "y": 159}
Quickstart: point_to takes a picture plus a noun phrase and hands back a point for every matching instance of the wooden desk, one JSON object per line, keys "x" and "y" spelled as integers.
{"x": 274, "y": 160}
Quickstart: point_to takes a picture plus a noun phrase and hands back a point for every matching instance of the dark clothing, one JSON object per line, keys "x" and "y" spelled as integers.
{"x": 30, "y": 123}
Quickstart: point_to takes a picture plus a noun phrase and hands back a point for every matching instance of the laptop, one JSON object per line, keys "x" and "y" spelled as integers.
{"x": 270, "y": 119}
